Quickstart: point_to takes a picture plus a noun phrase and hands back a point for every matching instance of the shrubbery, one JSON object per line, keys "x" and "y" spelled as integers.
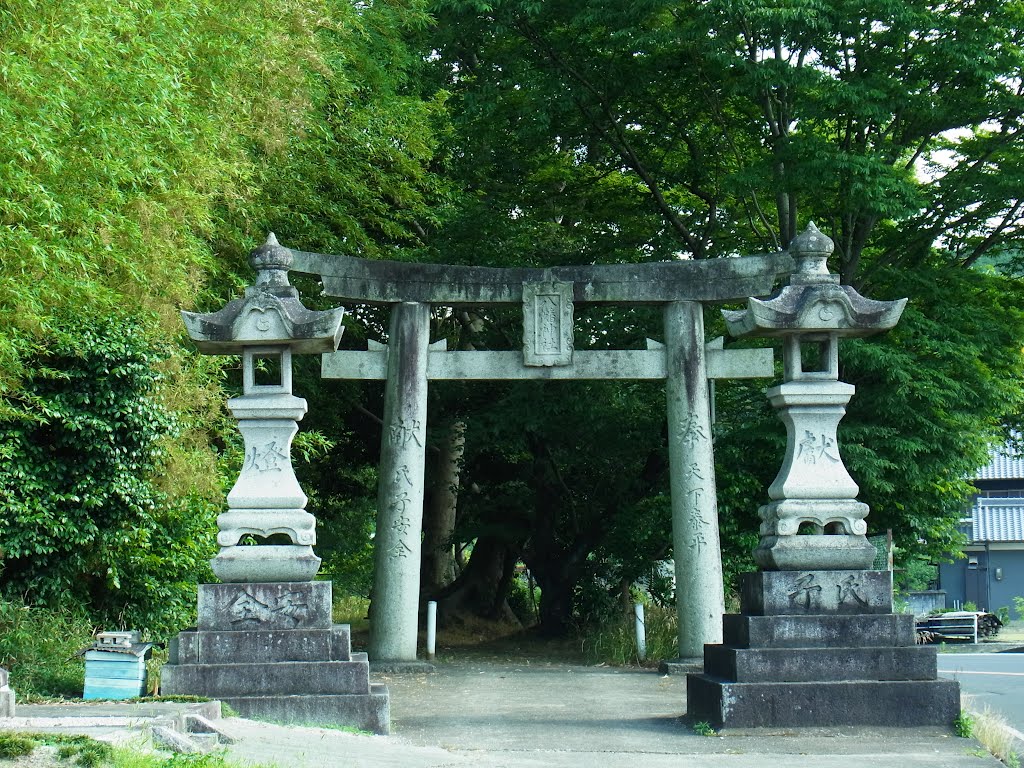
{"x": 38, "y": 647}
{"x": 85, "y": 517}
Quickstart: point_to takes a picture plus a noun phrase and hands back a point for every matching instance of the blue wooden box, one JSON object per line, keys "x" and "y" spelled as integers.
{"x": 115, "y": 670}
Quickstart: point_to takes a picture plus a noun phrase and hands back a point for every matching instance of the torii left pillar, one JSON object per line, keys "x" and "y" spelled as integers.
{"x": 394, "y": 619}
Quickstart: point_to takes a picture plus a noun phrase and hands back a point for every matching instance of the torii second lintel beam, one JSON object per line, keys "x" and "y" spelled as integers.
{"x": 586, "y": 364}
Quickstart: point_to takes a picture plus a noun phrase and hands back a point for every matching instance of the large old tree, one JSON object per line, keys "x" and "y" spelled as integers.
{"x": 650, "y": 130}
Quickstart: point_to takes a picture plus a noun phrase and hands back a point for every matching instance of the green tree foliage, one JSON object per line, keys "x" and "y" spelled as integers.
{"x": 623, "y": 131}
{"x": 148, "y": 146}
{"x": 729, "y": 121}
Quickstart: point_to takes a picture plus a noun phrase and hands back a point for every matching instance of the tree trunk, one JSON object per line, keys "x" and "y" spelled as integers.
{"x": 557, "y": 571}
{"x": 482, "y": 588}
{"x": 555, "y": 604}
{"x": 438, "y": 563}
{"x": 556, "y": 563}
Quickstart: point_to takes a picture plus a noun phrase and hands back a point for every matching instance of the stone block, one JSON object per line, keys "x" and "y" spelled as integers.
{"x": 265, "y": 564}
{"x": 750, "y": 665}
{"x": 385, "y": 667}
{"x": 195, "y": 723}
{"x": 264, "y": 646}
{"x": 3, "y": 677}
{"x": 368, "y": 712}
{"x": 818, "y": 631}
{"x": 817, "y": 552}
{"x": 822, "y": 704}
{"x": 183, "y": 648}
{"x": 171, "y": 740}
{"x": 341, "y": 644}
{"x": 681, "y": 666}
{"x": 265, "y": 606}
{"x": 6, "y": 701}
{"x": 285, "y": 678}
{"x": 771, "y": 593}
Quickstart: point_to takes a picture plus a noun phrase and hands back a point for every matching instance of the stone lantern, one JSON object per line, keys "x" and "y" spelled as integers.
{"x": 264, "y": 641}
{"x": 813, "y": 493}
{"x": 816, "y": 642}
{"x": 266, "y": 327}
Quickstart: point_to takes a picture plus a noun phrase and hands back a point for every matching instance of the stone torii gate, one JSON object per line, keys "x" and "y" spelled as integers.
{"x": 685, "y": 361}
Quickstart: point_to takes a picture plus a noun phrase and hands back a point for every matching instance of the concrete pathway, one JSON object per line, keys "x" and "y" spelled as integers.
{"x": 527, "y": 716}
{"x": 500, "y": 715}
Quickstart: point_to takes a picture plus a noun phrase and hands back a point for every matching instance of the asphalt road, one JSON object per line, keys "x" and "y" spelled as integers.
{"x": 995, "y": 679}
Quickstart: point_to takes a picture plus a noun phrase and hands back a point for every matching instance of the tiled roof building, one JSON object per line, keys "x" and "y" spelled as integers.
{"x": 991, "y": 573}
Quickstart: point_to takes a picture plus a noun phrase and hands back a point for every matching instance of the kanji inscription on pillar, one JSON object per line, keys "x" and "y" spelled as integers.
{"x": 407, "y": 431}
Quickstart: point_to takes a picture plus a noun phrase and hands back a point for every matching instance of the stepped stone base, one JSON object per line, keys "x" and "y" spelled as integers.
{"x": 262, "y": 647}
{"x": 817, "y": 631}
{"x": 819, "y": 649}
{"x": 271, "y": 652}
{"x": 681, "y": 666}
{"x": 783, "y": 665}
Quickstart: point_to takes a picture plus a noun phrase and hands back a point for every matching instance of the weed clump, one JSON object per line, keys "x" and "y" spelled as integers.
{"x": 14, "y": 745}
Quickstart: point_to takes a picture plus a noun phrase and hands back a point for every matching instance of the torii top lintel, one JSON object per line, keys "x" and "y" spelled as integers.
{"x": 389, "y": 282}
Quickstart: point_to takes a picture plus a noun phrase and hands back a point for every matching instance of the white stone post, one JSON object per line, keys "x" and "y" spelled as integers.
{"x": 394, "y": 617}
{"x": 431, "y": 629}
{"x": 6, "y": 696}
{"x": 641, "y": 631}
{"x": 700, "y": 594}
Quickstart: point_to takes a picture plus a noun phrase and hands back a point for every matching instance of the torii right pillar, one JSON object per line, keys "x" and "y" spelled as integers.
{"x": 816, "y": 642}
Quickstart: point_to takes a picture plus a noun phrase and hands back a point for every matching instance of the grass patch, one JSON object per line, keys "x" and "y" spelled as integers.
{"x": 178, "y": 697}
{"x": 128, "y": 758}
{"x": 14, "y": 745}
{"x": 76, "y": 750}
{"x": 352, "y": 610}
{"x": 614, "y": 641}
{"x": 704, "y": 728}
{"x": 992, "y": 732}
{"x": 89, "y": 753}
{"x": 964, "y": 725}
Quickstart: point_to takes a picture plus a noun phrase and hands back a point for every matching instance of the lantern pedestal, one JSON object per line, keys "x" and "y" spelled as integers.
{"x": 271, "y": 652}
{"x": 819, "y": 648}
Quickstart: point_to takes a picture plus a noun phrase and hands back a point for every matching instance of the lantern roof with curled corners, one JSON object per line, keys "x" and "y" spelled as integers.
{"x": 814, "y": 302}
{"x": 270, "y": 313}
